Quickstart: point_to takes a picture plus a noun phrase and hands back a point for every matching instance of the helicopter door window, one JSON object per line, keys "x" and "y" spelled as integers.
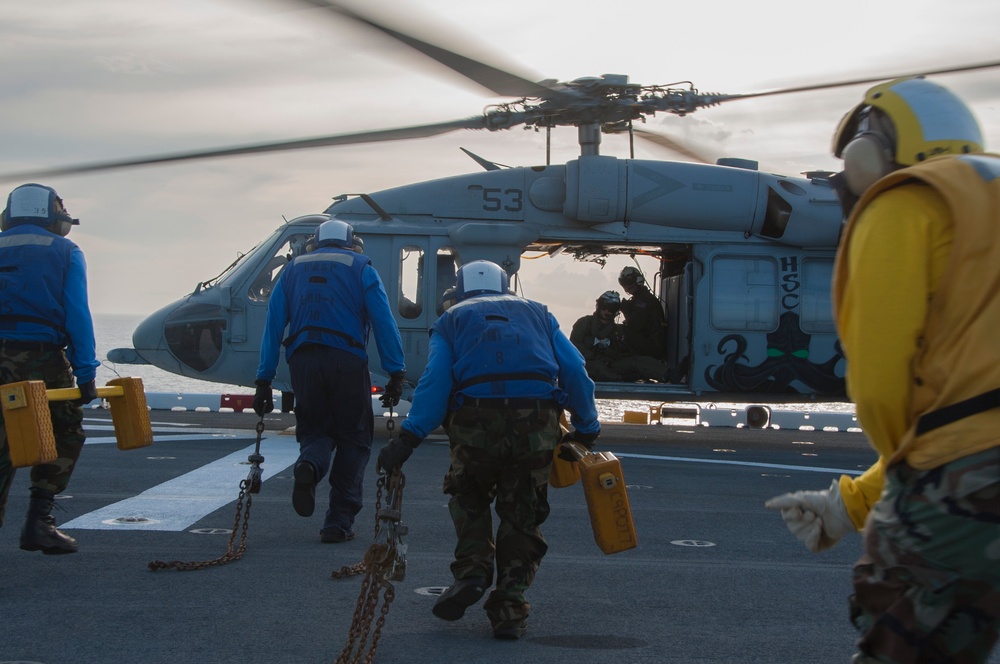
{"x": 263, "y": 284}
{"x": 816, "y": 308}
{"x": 411, "y": 278}
{"x": 744, "y": 294}
{"x": 445, "y": 277}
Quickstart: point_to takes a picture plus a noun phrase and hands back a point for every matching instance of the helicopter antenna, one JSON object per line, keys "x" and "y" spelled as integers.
{"x": 382, "y": 214}
{"x": 485, "y": 163}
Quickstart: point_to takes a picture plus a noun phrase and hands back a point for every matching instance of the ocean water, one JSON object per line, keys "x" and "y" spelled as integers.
{"x": 115, "y": 331}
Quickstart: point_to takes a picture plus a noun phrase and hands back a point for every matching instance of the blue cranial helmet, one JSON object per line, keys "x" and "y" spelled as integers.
{"x": 480, "y": 277}
{"x": 39, "y": 205}
{"x": 336, "y": 233}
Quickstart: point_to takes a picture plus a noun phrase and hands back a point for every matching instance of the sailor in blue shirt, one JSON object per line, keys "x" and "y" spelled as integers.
{"x": 499, "y": 373}
{"x": 329, "y": 299}
{"x": 47, "y": 334}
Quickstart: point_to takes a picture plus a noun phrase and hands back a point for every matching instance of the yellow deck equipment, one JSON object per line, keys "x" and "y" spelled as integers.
{"x": 29, "y": 425}
{"x": 604, "y": 491}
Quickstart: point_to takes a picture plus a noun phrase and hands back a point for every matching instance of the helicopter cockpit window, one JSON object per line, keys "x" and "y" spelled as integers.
{"x": 445, "y": 277}
{"x": 411, "y": 282}
{"x": 263, "y": 283}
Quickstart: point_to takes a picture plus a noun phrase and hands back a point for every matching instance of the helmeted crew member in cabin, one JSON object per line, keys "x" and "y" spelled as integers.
{"x": 47, "y": 334}
{"x": 499, "y": 372}
{"x": 602, "y": 343}
{"x": 329, "y": 299}
{"x": 917, "y": 304}
{"x": 645, "y": 325}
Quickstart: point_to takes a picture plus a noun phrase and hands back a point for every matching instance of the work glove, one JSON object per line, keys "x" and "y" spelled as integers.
{"x": 393, "y": 390}
{"x": 88, "y": 392}
{"x": 586, "y": 440}
{"x": 263, "y": 400}
{"x": 395, "y": 453}
{"x": 818, "y": 518}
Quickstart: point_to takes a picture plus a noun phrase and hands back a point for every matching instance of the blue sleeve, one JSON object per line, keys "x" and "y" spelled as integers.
{"x": 274, "y": 331}
{"x": 575, "y": 382}
{"x": 390, "y": 344}
{"x": 433, "y": 392}
{"x": 82, "y": 349}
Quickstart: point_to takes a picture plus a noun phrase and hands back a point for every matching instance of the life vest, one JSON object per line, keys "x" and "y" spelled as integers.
{"x": 502, "y": 347}
{"x": 33, "y": 267}
{"x": 325, "y": 296}
{"x": 959, "y": 357}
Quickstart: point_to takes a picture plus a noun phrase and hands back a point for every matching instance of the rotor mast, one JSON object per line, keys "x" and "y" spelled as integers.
{"x": 589, "y": 135}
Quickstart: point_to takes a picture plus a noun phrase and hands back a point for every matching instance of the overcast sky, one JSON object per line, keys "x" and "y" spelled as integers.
{"x": 105, "y": 79}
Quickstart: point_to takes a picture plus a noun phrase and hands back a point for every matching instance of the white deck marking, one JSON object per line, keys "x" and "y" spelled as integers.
{"x": 729, "y": 462}
{"x": 178, "y": 503}
{"x": 172, "y": 433}
{"x": 158, "y": 438}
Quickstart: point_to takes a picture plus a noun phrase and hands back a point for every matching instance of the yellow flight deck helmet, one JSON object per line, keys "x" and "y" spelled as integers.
{"x": 901, "y": 123}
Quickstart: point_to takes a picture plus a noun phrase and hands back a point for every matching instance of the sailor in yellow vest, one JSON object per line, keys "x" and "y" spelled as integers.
{"x": 917, "y": 303}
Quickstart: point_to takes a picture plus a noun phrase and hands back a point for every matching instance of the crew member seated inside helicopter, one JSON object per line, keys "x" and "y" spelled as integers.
{"x": 602, "y": 342}
{"x": 645, "y": 325}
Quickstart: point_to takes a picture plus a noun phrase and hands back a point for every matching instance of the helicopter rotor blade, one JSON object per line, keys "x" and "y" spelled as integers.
{"x": 493, "y": 78}
{"x": 861, "y": 81}
{"x": 672, "y": 144}
{"x": 397, "y": 134}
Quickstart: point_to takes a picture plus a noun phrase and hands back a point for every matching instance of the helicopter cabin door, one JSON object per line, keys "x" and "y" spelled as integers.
{"x": 420, "y": 270}
{"x": 676, "y": 296}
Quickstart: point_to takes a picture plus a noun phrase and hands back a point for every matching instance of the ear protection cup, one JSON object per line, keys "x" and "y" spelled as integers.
{"x": 3, "y": 220}
{"x": 867, "y": 159}
{"x": 61, "y": 227}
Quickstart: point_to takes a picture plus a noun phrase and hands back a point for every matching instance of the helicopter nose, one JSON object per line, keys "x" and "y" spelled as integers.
{"x": 184, "y": 337}
{"x": 147, "y": 338}
{"x": 149, "y": 343}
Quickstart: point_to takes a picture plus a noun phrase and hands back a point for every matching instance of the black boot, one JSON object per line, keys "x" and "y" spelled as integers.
{"x": 39, "y": 532}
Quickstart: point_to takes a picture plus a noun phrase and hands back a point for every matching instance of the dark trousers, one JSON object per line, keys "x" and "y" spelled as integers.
{"x": 334, "y": 423}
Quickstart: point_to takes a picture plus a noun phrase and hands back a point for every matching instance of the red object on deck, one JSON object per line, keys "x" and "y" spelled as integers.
{"x": 237, "y": 402}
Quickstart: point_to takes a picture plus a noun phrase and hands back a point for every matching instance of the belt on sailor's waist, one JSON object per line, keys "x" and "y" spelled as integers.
{"x": 20, "y": 345}
{"x": 540, "y": 404}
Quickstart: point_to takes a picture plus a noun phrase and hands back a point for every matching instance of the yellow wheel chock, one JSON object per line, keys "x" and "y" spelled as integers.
{"x": 30, "y": 438}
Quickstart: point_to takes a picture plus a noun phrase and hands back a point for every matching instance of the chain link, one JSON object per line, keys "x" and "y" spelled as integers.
{"x": 384, "y": 562}
{"x": 248, "y": 487}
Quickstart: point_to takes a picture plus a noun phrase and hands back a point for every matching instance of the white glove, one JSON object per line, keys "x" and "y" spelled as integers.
{"x": 818, "y": 518}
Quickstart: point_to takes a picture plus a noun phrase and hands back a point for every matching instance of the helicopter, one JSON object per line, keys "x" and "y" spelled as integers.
{"x": 742, "y": 258}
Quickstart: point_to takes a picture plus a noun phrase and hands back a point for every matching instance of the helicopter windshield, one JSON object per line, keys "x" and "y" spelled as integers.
{"x": 233, "y": 267}
{"x": 262, "y": 285}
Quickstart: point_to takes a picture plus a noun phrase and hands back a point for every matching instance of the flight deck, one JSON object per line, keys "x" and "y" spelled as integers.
{"x": 715, "y": 576}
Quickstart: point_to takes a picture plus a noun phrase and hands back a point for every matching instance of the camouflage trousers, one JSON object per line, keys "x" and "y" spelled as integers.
{"x": 500, "y": 455}
{"x": 927, "y": 589}
{"x": 54, "y": 369}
